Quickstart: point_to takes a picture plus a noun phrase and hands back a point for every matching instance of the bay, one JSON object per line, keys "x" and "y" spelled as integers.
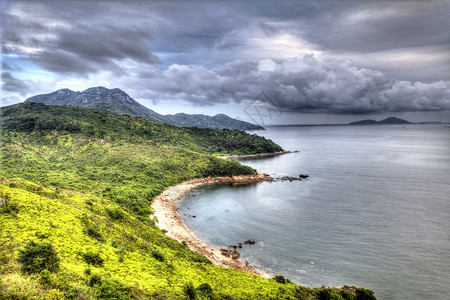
{"x": 375, "y": 211}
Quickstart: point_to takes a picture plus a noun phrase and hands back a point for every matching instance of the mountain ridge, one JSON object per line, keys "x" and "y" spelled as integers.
{"x": 116, "y": 101}
{"x": 387, "y": 121}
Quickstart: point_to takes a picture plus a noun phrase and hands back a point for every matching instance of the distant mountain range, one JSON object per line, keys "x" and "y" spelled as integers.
{"x": 387, "y": 121}
{"x": 118, "y": 102}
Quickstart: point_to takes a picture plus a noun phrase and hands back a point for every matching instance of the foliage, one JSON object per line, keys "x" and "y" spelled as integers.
{"x": 189, "y": 290}
{"x": 280, "y": 279}
{"x": 93, "y": 258}
{"x": 45, "y": 277}
{"x": 116, "y": 214}
{"x": 364, "y": 294}
{"x": 36, "y": 117}
{"x": 94, "y": 233}
{"x": 158, "y": 255}
{"x": 36, "y": 257}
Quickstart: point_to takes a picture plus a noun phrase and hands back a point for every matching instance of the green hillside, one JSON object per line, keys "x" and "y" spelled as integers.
{"x": 78, "y": 224}
{"x": 37, "y": 117}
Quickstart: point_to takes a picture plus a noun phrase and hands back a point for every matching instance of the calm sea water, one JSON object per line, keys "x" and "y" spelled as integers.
{"x": 374, "y": 213}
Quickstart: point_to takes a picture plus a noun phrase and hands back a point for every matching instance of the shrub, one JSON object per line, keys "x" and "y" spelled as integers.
{"x": 8, "y": 207}
{"x": 346, "y": 295}
{"x": 190, "y": 291}
{"x": 364, "y": 294}
{"x": 111, "y": 289}
{"x": 36, "y": 257}
{"x": 94, "y": 280}
{"x": 205, "y": 288}
{"x": 94, "y": 233}
{"x": 93, "y": 258}
{"x": 116, "y": 214}
{"x": 280, "y": 279}
{"x": 158, "y": 255}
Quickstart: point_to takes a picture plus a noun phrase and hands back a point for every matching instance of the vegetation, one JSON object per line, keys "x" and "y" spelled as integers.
{"x": 37, "y": 257}
{"x": 36, "y": 117}
{"x": 77, "y": 226}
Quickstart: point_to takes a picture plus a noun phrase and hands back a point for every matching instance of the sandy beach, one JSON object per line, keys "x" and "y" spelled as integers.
{"x": 165, "y": 209}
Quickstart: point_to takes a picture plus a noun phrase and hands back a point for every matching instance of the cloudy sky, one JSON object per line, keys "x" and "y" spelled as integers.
{"x": 268, "y": 62}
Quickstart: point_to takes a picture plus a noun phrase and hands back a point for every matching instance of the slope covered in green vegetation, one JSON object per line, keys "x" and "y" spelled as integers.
{"x": 37, "y": 117}
{"x": 79, "y": 226}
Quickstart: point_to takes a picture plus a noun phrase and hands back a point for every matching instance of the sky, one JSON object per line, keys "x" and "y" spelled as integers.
{"x": 267, "y": 62}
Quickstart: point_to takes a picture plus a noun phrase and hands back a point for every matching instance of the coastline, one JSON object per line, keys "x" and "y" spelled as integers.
{"x": 256, "y": 155}
{"x": 165, "y": 209}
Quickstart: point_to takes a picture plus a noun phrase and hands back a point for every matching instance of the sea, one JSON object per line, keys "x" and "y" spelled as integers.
{"x": 375, "y": 211}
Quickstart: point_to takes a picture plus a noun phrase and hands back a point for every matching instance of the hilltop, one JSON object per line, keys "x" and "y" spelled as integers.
{"x": 118, "y": 102}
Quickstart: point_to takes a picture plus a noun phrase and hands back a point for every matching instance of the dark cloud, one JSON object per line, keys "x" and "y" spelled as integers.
{"x": 87, "y": 50}
{"x": 301, "y": 85}
{"x": 77, "y": 47}
{"x": 11, "y": 84}
{"x": 206, "y": 52}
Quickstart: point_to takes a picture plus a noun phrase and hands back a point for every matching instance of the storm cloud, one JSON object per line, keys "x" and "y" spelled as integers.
{"x": 300, "y": 84}
{"x": 343, "y": 57}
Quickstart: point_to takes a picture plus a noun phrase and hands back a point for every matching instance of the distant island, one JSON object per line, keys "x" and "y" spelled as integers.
{"x": 387, "y": 121}
{"x": 116, "y": 101}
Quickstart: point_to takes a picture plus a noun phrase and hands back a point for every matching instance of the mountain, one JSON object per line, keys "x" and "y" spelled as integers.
{"x": 387, "y": 121}
{"x": 118, "y": 102}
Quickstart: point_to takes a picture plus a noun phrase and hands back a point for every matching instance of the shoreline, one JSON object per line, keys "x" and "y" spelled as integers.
{"x": 165, "y": 209}
{"x": 270, "y": 154}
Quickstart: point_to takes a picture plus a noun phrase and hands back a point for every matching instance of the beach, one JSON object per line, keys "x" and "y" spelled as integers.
{"x": 165, "y": 209}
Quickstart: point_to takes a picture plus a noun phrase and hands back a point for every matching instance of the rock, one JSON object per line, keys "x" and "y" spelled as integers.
{"x": 2, "y": 201}
{"x": 234, "y": 254}
{"x": 225, "y": 252}
{"x": 249, "y": 242}
{"x": 303, "y": 175}
{"x": 233, "y": 246}
{"x": 351, "y": 289}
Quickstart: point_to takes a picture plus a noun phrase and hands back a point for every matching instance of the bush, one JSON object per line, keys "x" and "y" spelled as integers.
{"x": 346, "y": 295}
{"x": 94, "y": 232}
{"x": 364, "y": 294}
{"x": 8, "y": 207}
{"x": 324, "y": 294}
{"x": 190, "y": 291}
{"x": 158, "y": 255}
{"x": 111, "y": 289}
{"x": 93, "y": 258}
{"x": 116, "y": 214}
{"x": 280, "y": 279}
{"x": 204, "y": 288}
{"x": 94, "y": 280}
{"x": 36, "y": 257}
